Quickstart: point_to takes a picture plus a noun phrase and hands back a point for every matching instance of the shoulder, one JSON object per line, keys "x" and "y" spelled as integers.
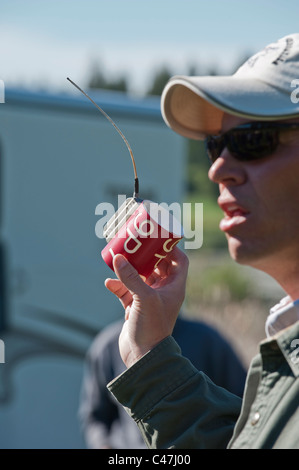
{"x": 106, "y": 339}
{"x": 196, "y": 330}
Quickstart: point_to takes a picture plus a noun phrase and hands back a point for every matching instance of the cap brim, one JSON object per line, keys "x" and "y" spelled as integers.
{"x": 194, "y": 106}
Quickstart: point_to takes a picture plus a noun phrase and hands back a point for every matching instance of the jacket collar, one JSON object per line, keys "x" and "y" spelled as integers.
{"x": 287, "y": 342}
{"x": 281, "y": 316}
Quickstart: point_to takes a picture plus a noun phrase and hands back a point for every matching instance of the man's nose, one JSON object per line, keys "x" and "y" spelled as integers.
{"x": 227, "y": 170}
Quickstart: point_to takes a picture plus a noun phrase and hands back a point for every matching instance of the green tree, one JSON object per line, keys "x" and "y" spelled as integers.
{"x": 97, "y": 79}
{"x": 197, "y": 169}
{"x": 159, "y": 81}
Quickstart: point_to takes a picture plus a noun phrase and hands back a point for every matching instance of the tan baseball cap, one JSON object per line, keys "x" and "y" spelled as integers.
{"x": 265, "y": 87}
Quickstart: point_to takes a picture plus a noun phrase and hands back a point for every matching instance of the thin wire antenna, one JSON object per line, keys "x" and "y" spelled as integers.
{"x": 136, "y": 183}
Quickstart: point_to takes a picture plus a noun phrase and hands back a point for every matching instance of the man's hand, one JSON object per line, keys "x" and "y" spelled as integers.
{"x": 151, "y": 307}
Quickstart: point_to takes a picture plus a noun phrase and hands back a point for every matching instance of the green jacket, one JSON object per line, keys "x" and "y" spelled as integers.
{"x": 176, "y": 406}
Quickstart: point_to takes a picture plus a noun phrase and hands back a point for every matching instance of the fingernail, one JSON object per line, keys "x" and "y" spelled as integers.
{"x": 121, "y": 261}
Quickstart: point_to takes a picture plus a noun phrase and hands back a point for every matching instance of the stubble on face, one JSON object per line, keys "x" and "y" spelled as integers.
{"x": 270, "y": 191}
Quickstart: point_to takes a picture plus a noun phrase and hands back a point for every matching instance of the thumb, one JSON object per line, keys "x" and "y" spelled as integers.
{"x": 128, "y": 275}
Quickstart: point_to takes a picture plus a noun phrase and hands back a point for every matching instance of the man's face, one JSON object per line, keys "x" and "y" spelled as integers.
{"x": 260, "y": 200}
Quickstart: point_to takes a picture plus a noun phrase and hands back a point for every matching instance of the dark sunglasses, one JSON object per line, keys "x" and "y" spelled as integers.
{"x": 248, "y": 142}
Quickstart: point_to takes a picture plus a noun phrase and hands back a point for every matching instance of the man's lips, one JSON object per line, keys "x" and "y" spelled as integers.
{"x": 235, "y": 214}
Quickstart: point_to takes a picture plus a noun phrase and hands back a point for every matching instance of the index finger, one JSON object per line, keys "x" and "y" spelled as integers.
{"x": 174, "y": 265}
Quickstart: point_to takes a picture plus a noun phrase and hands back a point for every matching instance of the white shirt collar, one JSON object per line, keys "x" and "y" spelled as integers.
{"x": 282, "y": 315}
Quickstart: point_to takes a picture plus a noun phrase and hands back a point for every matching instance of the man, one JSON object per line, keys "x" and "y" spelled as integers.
{"x": 251, "y": 123}
{"x": 104, "y": 421}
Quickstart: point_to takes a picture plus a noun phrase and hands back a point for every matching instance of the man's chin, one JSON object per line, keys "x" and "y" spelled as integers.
{"x": 245, "y": 253}
{"x": 238, "y": 251}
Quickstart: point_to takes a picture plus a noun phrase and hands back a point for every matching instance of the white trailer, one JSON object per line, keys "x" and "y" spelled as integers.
{"x": 59, "y": 159}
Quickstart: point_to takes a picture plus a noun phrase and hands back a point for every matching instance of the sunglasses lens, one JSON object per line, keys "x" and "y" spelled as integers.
{"x": 244, "y": 144}
{"x": 254, "y": 144}
{"x": 214, "y": 146}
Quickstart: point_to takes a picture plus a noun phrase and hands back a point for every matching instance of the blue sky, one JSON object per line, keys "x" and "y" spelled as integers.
{"x": 43, "y": 41}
